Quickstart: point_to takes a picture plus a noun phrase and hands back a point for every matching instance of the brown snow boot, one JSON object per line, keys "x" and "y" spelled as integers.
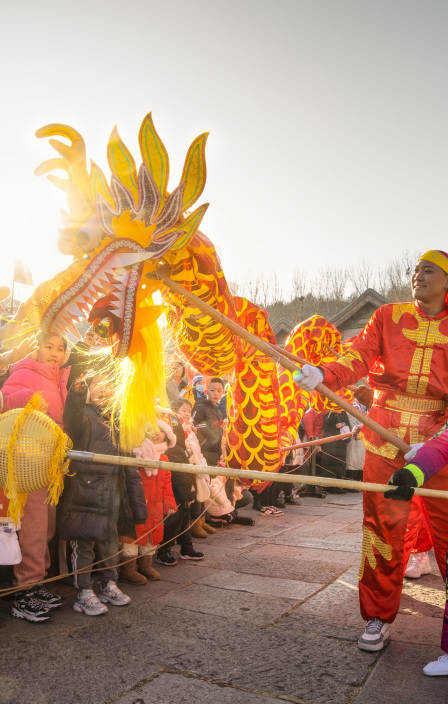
{"x": 196, "y": 529}
{"x": 128, "y": 573}
{"x": 145, "y": 567}
{"x": 208, "y": 529}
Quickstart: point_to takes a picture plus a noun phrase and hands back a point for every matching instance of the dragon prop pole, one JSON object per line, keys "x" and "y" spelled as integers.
{"x": 285, "y": 362}
{"x": 322, "y": 441}
{"x": 241, "y": 473}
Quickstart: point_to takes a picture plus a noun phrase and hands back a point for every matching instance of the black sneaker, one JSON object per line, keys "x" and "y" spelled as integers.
{"x": 47, "y": 599}
{"x": 292, "y": 500}
{"x": 189, "y": 553}
{"x": 243, "y": 521}
{"x": 165, "y": 558}
{"x": 25, "y": 606}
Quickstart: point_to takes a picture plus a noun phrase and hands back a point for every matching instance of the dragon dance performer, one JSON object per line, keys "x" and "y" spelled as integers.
{"x": 404, "y": 351}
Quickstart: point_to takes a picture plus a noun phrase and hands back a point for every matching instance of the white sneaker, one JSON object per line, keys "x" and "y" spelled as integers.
{"x": 437, "y": 667}
{"x": 375, "y": 635}
{"x": 89, "y": 603}
{"x": 271, "y": 511}
{"x": 418, "y": 565}
{"x": 113, "y": 595}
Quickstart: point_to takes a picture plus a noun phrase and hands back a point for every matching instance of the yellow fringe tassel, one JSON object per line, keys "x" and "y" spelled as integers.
{"x": 58, "y": 465}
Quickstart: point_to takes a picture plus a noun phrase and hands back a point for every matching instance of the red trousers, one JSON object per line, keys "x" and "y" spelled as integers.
{"x": 391, "y": 530}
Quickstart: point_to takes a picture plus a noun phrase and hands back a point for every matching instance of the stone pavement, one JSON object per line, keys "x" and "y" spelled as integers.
{"x": 270, "y": 615}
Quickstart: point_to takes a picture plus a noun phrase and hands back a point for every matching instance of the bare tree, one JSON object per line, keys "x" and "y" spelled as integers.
{"x": 299, "y": 284}
{"x": 361, "y": 277}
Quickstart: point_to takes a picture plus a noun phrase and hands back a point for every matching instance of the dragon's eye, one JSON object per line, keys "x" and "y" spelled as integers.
{"x": 103, "y": 327}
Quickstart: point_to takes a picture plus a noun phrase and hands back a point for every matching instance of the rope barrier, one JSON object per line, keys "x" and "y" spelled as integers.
{"x": 60, "y": 577}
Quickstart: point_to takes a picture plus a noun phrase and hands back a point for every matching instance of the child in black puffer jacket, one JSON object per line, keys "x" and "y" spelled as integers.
{"x": 94, "y": 496}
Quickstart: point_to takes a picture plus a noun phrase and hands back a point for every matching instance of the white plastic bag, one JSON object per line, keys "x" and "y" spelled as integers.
{"x": 10, "y": 553}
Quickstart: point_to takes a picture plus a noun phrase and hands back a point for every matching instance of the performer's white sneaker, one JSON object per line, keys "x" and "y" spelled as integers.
{"x": 437, "y": 667}
{"x": 418, "y": 565}
{"x": 375, "y": 635}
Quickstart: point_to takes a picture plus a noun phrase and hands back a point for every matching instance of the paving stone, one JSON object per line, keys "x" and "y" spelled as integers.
{"x": 321, "y": 528}
{"x": 333, "y": 611}
{"x": 398, "y": 677}
{"x": 185, "y": 572}
{"x": 168, "y": 688}
{"x": 409, "y": 628}
{"x": 289, "y": 588}
{"x": 69, "y": 671}
{"x": 232, "y": 538}
{"x": 422, "y": 598}
{"x": 257, "y": 658}
{"x": 269, "y": 525}
{"x": 333, "y": 543}
{"x": 304, "y": 564}
{"x": 245, "y": 606}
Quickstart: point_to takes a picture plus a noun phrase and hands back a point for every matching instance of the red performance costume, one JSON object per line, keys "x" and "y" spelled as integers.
{"x": 405, "y": 354}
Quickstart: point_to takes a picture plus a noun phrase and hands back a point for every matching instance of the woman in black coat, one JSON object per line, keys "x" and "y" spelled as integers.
{"x": 334, "y": 454}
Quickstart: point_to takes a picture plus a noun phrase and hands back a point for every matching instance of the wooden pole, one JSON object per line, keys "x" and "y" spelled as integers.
{"x": 242, "y": 473}
{"x": 321, "y": 441}
{"x": 280, "y": 358}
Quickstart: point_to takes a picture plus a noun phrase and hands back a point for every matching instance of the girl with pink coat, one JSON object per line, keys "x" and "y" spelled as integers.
{"x": 41, "y": 373}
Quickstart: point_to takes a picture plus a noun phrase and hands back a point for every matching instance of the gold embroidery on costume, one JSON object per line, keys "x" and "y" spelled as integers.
{"x": 426, "y": 336}
{"x": 387, "y": 450}
{"x": 348, "y": 359}
{"x": 370, "y": 541}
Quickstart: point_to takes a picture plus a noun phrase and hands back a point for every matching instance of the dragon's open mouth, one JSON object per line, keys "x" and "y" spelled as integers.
{"x": 105, "y": 290}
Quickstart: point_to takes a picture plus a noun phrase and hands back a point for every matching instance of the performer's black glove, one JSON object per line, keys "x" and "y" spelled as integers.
{"x": 406, "y": 483}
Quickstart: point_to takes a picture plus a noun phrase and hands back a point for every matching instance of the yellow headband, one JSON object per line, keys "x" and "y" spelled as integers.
{"x": 436, "y": 256}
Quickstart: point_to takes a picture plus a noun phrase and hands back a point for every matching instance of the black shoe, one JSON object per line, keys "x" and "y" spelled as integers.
{"x": 47, "y": 599}
{"x": 25, "y": 606}
{"x": 292, "y": 500}
{"x": 279, "y": 504}
{"x": 243, "y": 521}
{"x": 164, "y": 557}
{"x": 189, "y": 553}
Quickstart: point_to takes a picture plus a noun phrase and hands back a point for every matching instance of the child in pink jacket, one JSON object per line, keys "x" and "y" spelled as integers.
{"x": 160, "y": 502}
{"x": 43, "y": 375}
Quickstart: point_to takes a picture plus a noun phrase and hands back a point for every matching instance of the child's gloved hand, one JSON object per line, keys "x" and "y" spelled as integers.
{"x": 405, "y": 482}
{"x": 308, "y": 378}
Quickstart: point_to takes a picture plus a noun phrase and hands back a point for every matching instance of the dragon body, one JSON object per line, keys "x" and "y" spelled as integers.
{"x": 119, "y": 232}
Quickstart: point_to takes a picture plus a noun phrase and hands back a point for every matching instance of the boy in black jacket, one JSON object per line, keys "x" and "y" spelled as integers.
{"x": 209, "y": 422}
{"x": 93, "y": 494}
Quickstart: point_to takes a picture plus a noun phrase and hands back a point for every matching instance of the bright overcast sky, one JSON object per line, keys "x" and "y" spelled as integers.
{"x": 328, "y": 120}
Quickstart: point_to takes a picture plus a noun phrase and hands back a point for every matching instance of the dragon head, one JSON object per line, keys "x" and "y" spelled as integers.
{"x": 118, "y": 234}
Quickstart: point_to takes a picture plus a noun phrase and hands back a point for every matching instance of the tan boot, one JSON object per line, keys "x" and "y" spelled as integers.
{"x": 145, "y": 567}
{"x": 208, "y": 529}
{"x": 197, "y": 531}
{"x": 128, "y": 573}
